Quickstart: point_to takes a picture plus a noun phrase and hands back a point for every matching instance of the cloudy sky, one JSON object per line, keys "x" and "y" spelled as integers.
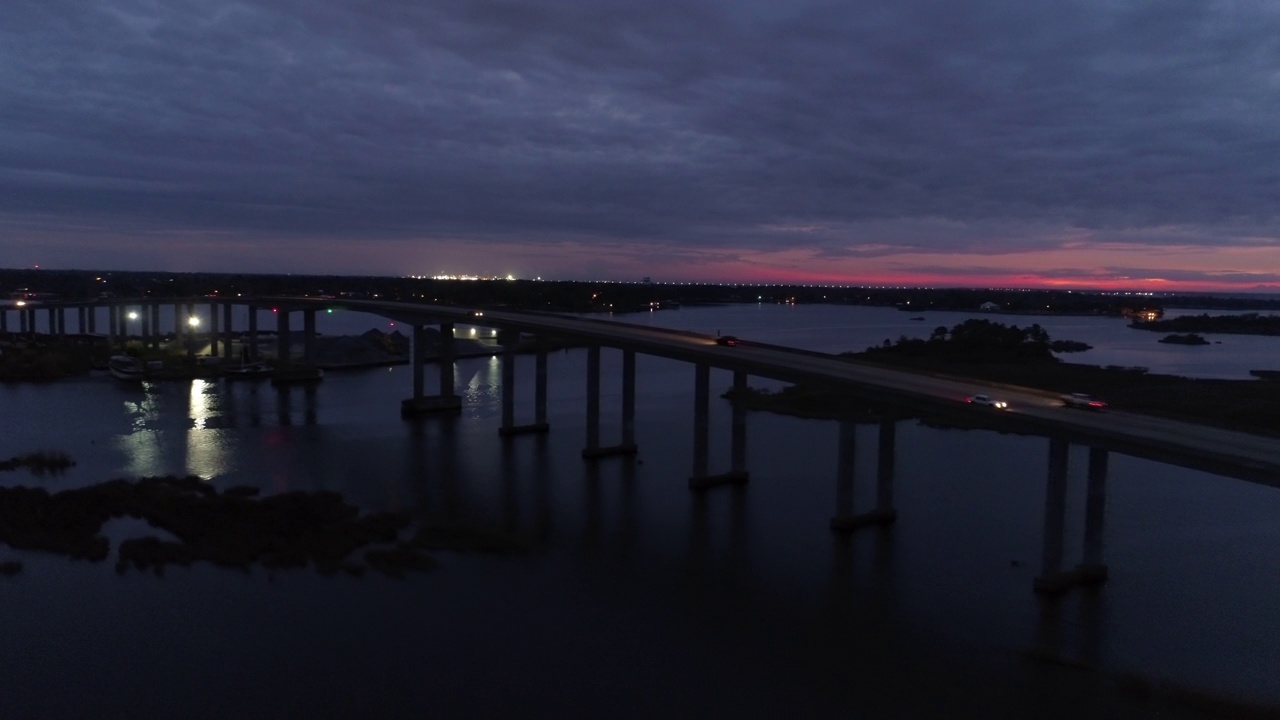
{"x": 1079, "y": 143}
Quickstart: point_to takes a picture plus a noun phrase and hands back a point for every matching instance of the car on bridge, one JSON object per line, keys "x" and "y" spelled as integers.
{"x": 727, "y": 340}
{"x": 1083, "y": 402}
{"x": 987, "y": 401}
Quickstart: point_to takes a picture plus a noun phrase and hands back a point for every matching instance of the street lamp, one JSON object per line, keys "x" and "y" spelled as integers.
{"x": 193, "y": 322}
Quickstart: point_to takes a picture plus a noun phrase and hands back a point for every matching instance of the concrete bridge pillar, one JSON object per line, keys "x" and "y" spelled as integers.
{"x": 508, "y": 388}
{"x": 418, "y": 358}
{"x": 309, "y": 337}
{"x": 886, "y": 468}
{"x": 738, "y": 442}
{"x": 93, "y": 318}
{"x": 31, "y": 320}
{"x": 282, "y": 336}
{"x": 1053, "y": 579}
{"x": 701, "y": 423}
{"x": 883, "y": 513}
{"x": 253, "y": 333}
{"x": 510, "y": 341}
{"x": 82, "y": 313}
{"x": 846, "y": 464}
{"x": 701, "y": 478}
{"x": 628, "y": 444}
{"x": 629, "y": 398}
{"x": 447, "y": 355}
{"x": 4, "y": 321}
{"x": 227, "y": 335}
{"x": 540, "y": 386}
{"x": 593, "y": 402}
{"x": 53, "y": 321}
{"x": 113, "y": 326}
{"x": 62, "y": 321}
{"x": 1093, "y": 569}
{"x": 152, "y": 315}
{"x": 179, "y": 323}
{"x": 214, "y": 335}
{"x": 447, "y": 400}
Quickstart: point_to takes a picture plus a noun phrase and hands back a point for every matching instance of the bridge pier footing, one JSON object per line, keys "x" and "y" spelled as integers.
{"x": 701, "y": 479}
{"x": 594, "y": 450}
{"x": 539, "y": 425}
{"x": 529, "y": 429}
{"x": 447, "y": 401}
{"x": 1053, "y": 579}
{"x": 846, "y": 520}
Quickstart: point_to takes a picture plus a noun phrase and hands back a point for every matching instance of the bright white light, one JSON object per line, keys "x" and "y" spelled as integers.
{"x": 133, "y": 315}
{"x": 193, "y": 321}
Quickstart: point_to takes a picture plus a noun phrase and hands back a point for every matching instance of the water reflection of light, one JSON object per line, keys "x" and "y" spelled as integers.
{"x": 201, "y": 403}
{"x": 484, "y": 385}
{"x": 207, "y": 451}
{"x": 142, "y": 445}
{"x": 145, "y": 411}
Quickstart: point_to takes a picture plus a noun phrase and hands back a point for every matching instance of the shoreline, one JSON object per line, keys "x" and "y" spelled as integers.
{"x": 49, "y": 358}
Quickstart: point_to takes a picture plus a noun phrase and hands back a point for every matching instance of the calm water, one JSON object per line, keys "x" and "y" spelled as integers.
{"x": 640, "y": 599}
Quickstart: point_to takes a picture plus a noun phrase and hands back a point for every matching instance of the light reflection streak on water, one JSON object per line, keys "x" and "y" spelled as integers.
{"x": 142, "y": 444}
{"x": 145, "y": 411}
{"x": 207, "y": 452}
{"x": 484, "y": 386}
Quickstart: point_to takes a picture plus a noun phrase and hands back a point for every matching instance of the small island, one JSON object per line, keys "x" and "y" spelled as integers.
{"x": 195, "y": 522}
{"x": 1024, "y": 357}
{"x": 1187, "y": 339}
{"x": 1243, "y": 324}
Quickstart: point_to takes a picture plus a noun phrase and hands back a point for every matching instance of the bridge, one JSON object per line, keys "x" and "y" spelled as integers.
{"x": 892, "y": 393}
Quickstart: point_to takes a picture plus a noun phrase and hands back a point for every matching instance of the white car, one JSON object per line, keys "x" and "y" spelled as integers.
{"x": 987, "y": 401}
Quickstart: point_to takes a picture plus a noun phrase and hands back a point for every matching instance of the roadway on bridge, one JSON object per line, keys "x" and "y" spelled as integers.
{"x": 1252, "y": 457}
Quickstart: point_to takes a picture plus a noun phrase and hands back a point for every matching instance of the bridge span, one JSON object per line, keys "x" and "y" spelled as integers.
{"x": 1250, "y": 457}
{"x": 892, "y": 393}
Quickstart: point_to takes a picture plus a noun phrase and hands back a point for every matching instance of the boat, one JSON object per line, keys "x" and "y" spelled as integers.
{"x": 126, "y": 368}
{"x": 248, "y": 371}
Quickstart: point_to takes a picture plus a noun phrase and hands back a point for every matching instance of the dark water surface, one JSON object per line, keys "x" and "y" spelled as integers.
{"x": 638, "y": 599}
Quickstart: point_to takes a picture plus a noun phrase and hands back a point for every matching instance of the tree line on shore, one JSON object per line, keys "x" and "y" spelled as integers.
{"x": 572, "y": 296}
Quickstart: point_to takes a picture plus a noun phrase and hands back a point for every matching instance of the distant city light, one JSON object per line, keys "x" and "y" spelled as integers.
{"x": 446, "y": 276}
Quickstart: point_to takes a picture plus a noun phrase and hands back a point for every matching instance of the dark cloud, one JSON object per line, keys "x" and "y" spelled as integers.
{"x": 975, "y": 127}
